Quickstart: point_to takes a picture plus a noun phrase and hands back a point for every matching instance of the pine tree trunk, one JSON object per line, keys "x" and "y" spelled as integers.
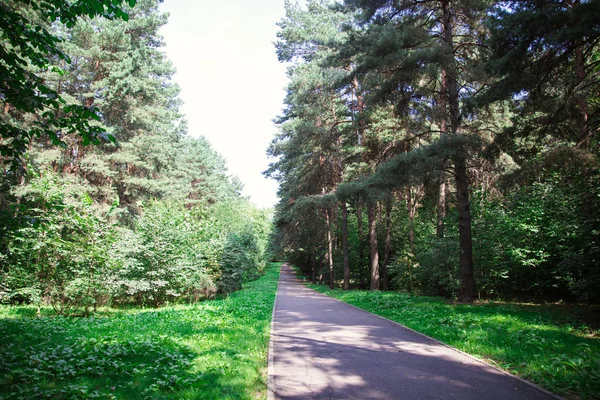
{"x": 467, "y": 281}
{"x": 411, "y": 235}
{"x": 359, "y": 221}
{"x": 329, "y": 248}
{"x": 360, "y": 133}
{"x": 385, "y": 276}
{"x": 313, "y": 261}
{"x": 411, "y": 219}
{"x": 334, "y": 232}
{"x": 441, "y": 207}
{"x": 585, "y": 136}
{"x": 374, "y": 250}
{"x": 345, "y": 245}
{"x": 441, "y": 201}
{"x": 358, "y": 110}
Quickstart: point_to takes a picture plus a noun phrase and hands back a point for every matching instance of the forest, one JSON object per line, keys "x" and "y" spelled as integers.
{"x": 430, "y": 155}
{"x": 106, "y": 199}
{"x": 445, "y": 148}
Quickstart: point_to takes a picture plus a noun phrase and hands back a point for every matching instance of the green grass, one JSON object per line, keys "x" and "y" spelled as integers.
{"x": 539, "y": 343}
{"x": 212, "y": 350}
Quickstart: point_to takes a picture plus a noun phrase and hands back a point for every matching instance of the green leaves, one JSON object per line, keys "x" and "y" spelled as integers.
{"x": 58, "y": 249}
{"x": 161, "y": 259}
{"x": 30, "y": 43}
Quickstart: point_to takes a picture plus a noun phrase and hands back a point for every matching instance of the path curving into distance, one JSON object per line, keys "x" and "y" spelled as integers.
{"x": 322, "y": 348}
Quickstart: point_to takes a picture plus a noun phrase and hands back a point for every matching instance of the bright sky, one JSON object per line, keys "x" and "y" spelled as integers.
{"x": 231, "y": 83}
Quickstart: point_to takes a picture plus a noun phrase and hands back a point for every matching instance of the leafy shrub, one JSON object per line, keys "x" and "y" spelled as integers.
{"x": 240, "y": 261}
{"x": 437, "y": 270}
{"x": 159, "y": 260}
{"x": 57, "y": 251}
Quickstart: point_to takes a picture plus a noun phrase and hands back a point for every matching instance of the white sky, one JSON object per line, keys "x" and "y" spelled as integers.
{"x": 231, "y": 83}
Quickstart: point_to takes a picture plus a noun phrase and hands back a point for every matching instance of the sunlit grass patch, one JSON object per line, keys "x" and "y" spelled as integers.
{"x": 541, "y": 343}
{"x": 211, "y": 350}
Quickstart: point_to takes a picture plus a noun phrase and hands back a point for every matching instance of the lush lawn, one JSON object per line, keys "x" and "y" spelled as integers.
{"x": 212, "y": 350}
{"x": 544, "y": 344}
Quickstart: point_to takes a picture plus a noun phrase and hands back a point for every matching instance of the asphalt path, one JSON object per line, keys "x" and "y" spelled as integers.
{"x": 322, "y": 348}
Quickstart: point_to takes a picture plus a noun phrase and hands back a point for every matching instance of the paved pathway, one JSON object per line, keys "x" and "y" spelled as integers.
{"x": 325, "y": 349}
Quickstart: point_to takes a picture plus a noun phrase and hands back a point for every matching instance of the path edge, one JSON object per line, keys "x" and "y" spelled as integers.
{"x": 477, "y": 359}
{"x": 271, "y": 357}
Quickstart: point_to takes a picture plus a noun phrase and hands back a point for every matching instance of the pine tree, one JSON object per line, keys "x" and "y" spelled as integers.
{"x": 419, "y": 52}
{"x": 311, "y": 142}
{"x": 544, "y": 54}
{"x": 30, "y": 49}
{"x": 118, "y": 68}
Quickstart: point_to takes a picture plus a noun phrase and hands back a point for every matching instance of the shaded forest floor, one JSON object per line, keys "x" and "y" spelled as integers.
{"x": 554, "y": 345}
{"x": 212, "y": 350}
{"x": 585, "y": 316}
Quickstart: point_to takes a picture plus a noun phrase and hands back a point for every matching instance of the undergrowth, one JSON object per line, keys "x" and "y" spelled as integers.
{"x": 211, "y": 350}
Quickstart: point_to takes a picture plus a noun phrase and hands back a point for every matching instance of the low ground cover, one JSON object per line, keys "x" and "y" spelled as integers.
{"x": 545, "y": 344}
{"x": 212, "y": 350}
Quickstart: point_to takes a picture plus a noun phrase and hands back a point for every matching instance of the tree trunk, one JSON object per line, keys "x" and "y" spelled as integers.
{"x": 411, "y": 235}
{"x": 374, "y": 250}
{"x": 329, "y": 248}
{"x": 441, "y": 203}
{"x": 359, "y": 222}
{"x": 441, "y": 207}
{"x": 358, "y": 110}
{"x": 467, "y": 281}
{"x": 313, "y": 261}
{"x": 585, "y": 136}
{"x": 385, "y": 276}
{"x": 345, "y": 245}
{"x": 411, "y": 219}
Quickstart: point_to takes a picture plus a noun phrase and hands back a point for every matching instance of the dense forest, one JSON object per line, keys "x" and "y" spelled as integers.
{"x": 442, "y": 147}
{"x": 105, "y": 198}
{"x": 436, "y": 147}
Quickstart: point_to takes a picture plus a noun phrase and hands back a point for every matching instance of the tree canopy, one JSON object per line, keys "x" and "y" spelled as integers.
{"x": 447, "y": 122}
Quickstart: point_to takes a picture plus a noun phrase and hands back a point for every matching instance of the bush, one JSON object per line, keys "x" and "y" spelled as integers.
{"x": 57, "y": 249}
{"x": 160, "y": 259}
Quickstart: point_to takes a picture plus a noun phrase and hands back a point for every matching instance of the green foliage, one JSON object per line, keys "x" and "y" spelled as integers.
{"x": 541, "y": 240}
{"x": 542, "y": 53}
{"x": 244, "y": 235}
{"x": 538, "y": 241}
{"x": 544, "y": 344}
{"x": 159, "y": 260}
{"x": 436, "y": 271}
{"x": 29, "y": 42}
{"x": 212, "y": 350}
{"x": 58, "y": 251}
{"x": 148, "y": 220}
{"x": 238, "y": 261}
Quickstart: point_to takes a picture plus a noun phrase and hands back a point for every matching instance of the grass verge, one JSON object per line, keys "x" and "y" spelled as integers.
{"x": 211, "y": 350}
{"x": 533, "y": 342}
